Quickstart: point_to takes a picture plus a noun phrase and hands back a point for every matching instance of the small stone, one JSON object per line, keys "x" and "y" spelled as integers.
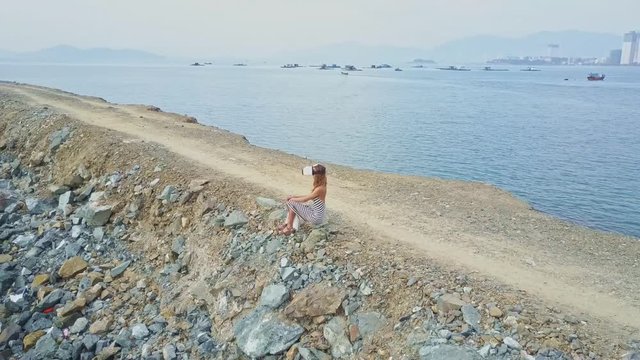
{"x": 72, "y": 267}
{"x": 495, "y": 312}
{"x": 274, "y": 295}
{"x": 107, "y": 353}
{"x": 39, "y": 279}
{"x": 30, "y": 340}
{"x": 511, "y": 343}
{"x": 79, "y": 325}
{"x": 266, "y": 203}
{"x": 139, "y": 331}
{"x": 449, "y": 302}
{"x": 118, "y": 270}
{"x": 334, "y": 332}
{"x": 315, "y": 300}
{"x": 100, "y": 327}
{"x": 354, "y": 333}
{"x": 470, "y": 315}
{"x": 236, "y": 219}
{"x": 11, "y": 332}
{"x": 5, "y": 258}
{"x": 177, "y": 247}
{"x": 169, "y": 352}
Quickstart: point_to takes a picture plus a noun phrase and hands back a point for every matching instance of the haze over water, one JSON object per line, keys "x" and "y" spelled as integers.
{"x": 569, "y": 148}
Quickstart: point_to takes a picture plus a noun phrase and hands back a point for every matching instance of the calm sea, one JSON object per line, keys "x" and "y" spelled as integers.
{"x": 570, "y": 148}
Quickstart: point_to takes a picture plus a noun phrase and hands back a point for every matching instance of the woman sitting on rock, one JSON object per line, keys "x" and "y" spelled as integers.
{"x": 297, "y": 205}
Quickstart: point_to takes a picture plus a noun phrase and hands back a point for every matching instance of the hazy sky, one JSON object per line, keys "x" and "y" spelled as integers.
{"x": 264, "y": 27}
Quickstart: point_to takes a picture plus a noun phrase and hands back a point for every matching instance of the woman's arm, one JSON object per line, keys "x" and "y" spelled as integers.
{"x": 314, "y": 194}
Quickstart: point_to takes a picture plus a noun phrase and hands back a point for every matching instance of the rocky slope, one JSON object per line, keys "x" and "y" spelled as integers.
{"x": 116, "y": 248}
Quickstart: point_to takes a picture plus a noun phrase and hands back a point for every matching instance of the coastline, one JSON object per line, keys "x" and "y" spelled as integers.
{"x": 454, "y": 226}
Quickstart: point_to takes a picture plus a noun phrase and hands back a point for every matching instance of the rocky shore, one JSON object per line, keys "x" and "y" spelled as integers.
{"x": 113, "y": 248}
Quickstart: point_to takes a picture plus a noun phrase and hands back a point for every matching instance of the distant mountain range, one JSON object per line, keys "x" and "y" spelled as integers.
{"x": 467, "y": 50}
{"x": 70, "y": 54}
{"x": 571, "y": 44}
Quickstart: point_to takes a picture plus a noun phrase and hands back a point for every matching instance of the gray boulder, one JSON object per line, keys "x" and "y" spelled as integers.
{"x": 261, "y": 333}
{"x": 97, "y": 215}
{"x": 274, "y": 295}
{"x": 59, "y": 137}
{"x": 471, "y": 316}
{"x": 235, "y": 219}
{"x": 266, "y": 203}
{"x": 448, "y": 352}
{"x": 335, "y": 334}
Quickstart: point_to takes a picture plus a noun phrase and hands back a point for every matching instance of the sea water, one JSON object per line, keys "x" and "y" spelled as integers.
{"x": 570, "y": 148}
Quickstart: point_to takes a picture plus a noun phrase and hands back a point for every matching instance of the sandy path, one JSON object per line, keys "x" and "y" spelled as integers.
{"x": 458, "y": 224}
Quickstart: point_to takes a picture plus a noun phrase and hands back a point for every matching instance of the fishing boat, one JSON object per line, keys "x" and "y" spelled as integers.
{"x": 290, "y": 66}
{"x": 455, "y": 68}
{"x": 595, "y": 77}
{"x": 351, "y": 68}
{"x": 530, "y": 69}
{"x": 398, "y": 69}
{"x": 489, "y": 68}
{"x": 344, "y": 73}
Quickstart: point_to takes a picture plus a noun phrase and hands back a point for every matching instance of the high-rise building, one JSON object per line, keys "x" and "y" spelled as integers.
{"x": 615, "y": 56}
{"x": 630, "y": 49}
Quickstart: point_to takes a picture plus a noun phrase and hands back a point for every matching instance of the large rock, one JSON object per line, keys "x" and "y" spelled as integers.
{"x": 118, "y": 270}
{"x": 449, "y": 302}
{"x": 314, "y": 237}
{"x": 312, "y": 354}
{"x": 471, "y": 316}
{"x": 274, "y": 295}
{"x": 334, "y": 332}
{"x": 97, "y": 215}
{"x": 177, "y": 247}
{"x": 266, "y": 203}
{"x": 261, "y": 333}
{"x": 31, "y": 339}
{"x": 315, "y": 300}
{"x": 448, "y": 352}
{"x": 11, "y": 332}
{"x": 51, "y": 299}
{"x": 72, "y": 267}
{"x": 169, "y": 193}
{"x": 59, "y": 137}
{"x": 139, "y": 331}
{"x": 368, "y": 323}
{"x": 101, "y": 326}
{"x": 236, "y": 219}
{"x": 65, "y": 199}
{"x": 46, "y": 346}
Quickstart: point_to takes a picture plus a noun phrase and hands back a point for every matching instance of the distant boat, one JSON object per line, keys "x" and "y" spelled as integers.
{"x": 351, "y": 68}
{"x": 418, "y": 66}
{"x": 290, "y": 66}
{"x": 328, "y": 67}
{"x": 530, "y": 69}
{"x": 240, "y": 64}
{"x": 344, "y": 73}
{"x": 489, "y": 68}
{"x": 197, "y": 64}
{"x": 381, "y": 66}
{"x": 398, "y": 69}
{"x": 595, "y": 77}
{"x": 455, "y": 68}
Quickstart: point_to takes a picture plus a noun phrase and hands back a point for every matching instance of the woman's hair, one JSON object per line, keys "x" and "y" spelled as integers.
{"x": 320, "y": 177}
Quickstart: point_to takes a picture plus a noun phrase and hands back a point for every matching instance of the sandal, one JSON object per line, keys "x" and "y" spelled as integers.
{"x": 287, "y": 231}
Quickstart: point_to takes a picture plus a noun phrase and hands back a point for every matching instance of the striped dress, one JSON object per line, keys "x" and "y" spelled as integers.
{"x": 313, "y": 213}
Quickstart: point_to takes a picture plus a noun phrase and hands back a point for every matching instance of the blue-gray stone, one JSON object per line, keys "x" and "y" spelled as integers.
{"x": 448, "y": 352}
{"x": 236, "y": 219}
{"x": 261, "y": 333}
{"x": 274, "y": 295}
{"x": 118, "y": 270}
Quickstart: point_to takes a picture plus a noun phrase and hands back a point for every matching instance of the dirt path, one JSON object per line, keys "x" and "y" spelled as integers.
{"x": 458, "y": 224}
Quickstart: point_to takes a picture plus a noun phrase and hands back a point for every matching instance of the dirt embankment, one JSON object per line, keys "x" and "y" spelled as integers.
{"x": 470, "y": 271}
